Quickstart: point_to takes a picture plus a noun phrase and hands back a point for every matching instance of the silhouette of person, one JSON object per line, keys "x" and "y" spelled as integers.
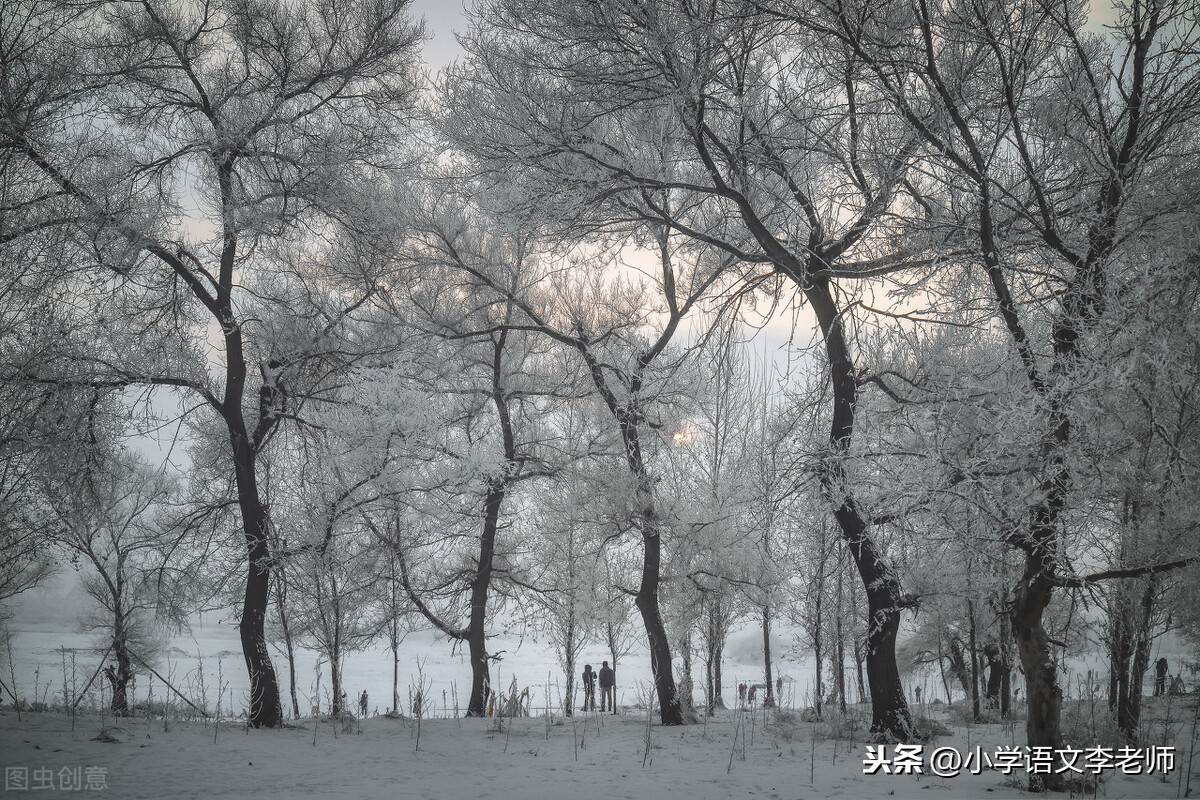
{"x": 589, "y": 688}
{"x": 607, "y": 687}
{"x": 1160, "y": 677}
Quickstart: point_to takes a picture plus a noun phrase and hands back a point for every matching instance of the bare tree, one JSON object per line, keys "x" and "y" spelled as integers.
{"x": 186, "y": 150}
{"x": 1056, "y": 136}
{"x": 705, "y": 120}
{"x": 119, "y": 530}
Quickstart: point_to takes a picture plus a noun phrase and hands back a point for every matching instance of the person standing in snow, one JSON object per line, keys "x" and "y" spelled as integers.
{"x": 362, "y": 704}
{"x": 589, "y": 688}
{"x": 607, "y": 687}
{"x": 1160, "y": 677}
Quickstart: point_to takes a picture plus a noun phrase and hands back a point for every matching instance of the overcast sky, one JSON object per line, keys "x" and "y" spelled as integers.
{"x": 442, "y": 19}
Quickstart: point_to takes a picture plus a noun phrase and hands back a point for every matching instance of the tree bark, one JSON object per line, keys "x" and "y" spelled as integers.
{"x": 1041, "y": 679}
{"x": 890, "y": 718}
{"x": 281, "y": 606}
{"x": 124, "y": 672}
{"x": 995, "y": 675}
{"x": 714, "y": 647}
{"x": 958, "y": 662}
{"x": 569, "y": 657}
{"x": 670, "y": 712}
{"x": 769, "y": 702}
{"x": 476, "y": 633}
{"x": 974, "y": 652}
{"x": 266, "y": 711}
{"x": 839, "y": 645}
{"x": 686, "y": 701}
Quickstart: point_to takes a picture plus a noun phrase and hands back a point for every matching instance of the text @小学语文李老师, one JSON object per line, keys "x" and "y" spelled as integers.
{"x": 948, "y": 762}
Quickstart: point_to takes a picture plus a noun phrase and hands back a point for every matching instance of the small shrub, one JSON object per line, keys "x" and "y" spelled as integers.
{"x": 852, "y": 725}
{"x": 929, "y": 729}
{"x": 1085, "y": 726}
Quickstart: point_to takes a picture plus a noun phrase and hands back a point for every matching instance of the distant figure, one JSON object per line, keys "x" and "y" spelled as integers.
{"x": 362, "y": 704}
{"x": 917, "y": 693}
{"x": 741, "y": 694}
{"x": 778, "y": 688}
{"x": 1160, "y": 677}
{"x": 607, "y": 687}
{"x": 753, "y": 693}
{"x": 589, "y": 688}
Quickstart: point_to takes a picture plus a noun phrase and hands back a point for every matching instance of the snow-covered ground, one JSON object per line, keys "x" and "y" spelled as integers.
{"x": 736, "y": 754}
{"x": 210, "y": 654}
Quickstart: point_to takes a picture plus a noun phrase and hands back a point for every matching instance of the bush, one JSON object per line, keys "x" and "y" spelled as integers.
{"x": 928, "y": 729}
{"x": 1087, "y": 724}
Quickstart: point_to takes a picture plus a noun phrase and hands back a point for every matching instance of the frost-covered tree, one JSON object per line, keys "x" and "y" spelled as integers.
{"x": 1049, "y": 146}
{"x": 118, "y": 526}
{"x": 736, "y": 132}
{"x": 187, "y": 153}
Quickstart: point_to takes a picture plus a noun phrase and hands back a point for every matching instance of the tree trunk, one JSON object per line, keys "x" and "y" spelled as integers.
{"x": 395, "y": 676}
{"x": 818, "y": 642}
{"x": 1041, "y": 680}
{"x": 1006, "y": 693}
{"x": 958, "y": 662}
{"x": 769, "y": 702}
{"x": 995, "y": 670}
{"x": 890, "y": 718}
{"x": 1129, "y": 710}
{"x": 394, "y": 635}
{"x": 266, "y": 711}
{"x": 335, "y": 682}
{"x": 714, "y": 641}
{"x": 839, "y": 643}
{"x": 686, "y": 701}
{"x": 124, "y": 672}
{"x": 974, "y": 653}
{"x": 612, "y": 652}
{"x": 477, "y": 622}
{"x": 569, "y": 657}
{"x": 660, "y": 650}
{"x": 281, "y": 605}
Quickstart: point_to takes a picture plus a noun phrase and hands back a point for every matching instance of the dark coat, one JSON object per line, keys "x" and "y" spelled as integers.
{"x": 606, "y": 677}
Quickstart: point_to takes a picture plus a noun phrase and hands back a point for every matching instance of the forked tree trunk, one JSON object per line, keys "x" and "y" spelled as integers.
{"x": 1129, "y": 709}
{"x": 714, "y": 648}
